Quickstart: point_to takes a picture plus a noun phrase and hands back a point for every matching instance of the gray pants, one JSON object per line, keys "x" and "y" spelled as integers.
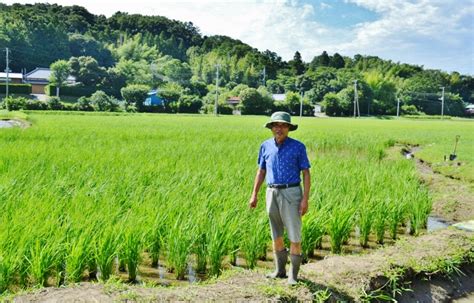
{"x": 283, "y": 210}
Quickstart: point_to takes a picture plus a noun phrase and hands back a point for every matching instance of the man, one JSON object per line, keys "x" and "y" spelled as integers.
{"x": 281, "y": 160}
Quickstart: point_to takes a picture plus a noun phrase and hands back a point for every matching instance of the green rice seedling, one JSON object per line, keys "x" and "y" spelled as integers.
{"x": 179, "y": 243}
{"x": 380, "y": 221}
{"x": 7, "y": 269}
{"x": 105, "y": 252}
{"x": 76, "y": 259}
{"x": 217, "y": 247}
{"x": 155, "y": 238}
{"x": 339, "y": 226}
{"x": 200, "y": 250}
{"x": 420, "y": 208}
{"x": 365, "y": 219}
{"x": 131, "y": 249}
{"x": 41, "y": 260}
{"x": 312, "y": 232}
{"x": 396, "y": 216}
{"x": 254, "y": 240}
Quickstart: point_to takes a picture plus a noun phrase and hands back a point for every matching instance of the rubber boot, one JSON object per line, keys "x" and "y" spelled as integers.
{"x": 281, "y": 257}
{"x": 294, "y": 269}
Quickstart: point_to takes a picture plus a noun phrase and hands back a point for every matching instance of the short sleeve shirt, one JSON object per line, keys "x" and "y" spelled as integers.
{"x": 283, "y": 163}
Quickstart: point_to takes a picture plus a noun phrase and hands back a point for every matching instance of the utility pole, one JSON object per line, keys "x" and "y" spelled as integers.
{"x": 217, "y": 89}
{"x": 442, "y": 102}
{"x": 7, "y": 70}
{"x": 398, "y": 107}
{"x": 301, "y": 104}
{"x": 356, "y": 100}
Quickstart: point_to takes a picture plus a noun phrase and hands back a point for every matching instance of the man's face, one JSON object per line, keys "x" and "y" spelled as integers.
{"x": 280, "y": 130}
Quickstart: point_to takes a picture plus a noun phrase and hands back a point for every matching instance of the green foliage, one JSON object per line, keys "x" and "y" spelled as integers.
{"x": 59, "y": 73}
{"x": 253, "y": 103}
{"x": 87, "y": 70}
{"x": 102, "y": 102}
{"x": 54, "y": 103}
{"x": 135, "y": 94}
{"x": 15, "y": 88}
{"x": 12, "y": 103}
{"x": 74, "y": 91}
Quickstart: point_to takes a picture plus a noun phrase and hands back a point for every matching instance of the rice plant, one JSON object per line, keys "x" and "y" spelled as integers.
{"x": 339, "y": 227}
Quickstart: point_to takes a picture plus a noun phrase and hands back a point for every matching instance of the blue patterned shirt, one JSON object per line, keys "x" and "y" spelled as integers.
{"x": 284, "y": 163}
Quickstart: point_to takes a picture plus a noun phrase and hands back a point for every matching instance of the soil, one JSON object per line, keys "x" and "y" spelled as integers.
{"x": 412, "y": 261}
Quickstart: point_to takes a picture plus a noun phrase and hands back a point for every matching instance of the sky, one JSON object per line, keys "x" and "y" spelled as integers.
{"x": 437, "y": 34}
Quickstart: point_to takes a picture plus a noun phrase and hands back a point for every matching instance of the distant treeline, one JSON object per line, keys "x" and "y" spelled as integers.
{"x": 111, "y": 53}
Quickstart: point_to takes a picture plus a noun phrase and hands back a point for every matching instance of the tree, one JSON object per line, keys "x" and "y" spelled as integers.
{"x": 59, "y": 73}
{"x": 297, "y": 65}
{"x": 87, "y": 70}
{"x": 135, "y": 94}
{"x": 102, "y": 102}
{"x": 253, "y": 103}
{"x": 336, "y": 61}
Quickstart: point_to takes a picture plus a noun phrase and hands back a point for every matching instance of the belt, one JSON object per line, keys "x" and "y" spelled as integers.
{"x": 283, "y": 185}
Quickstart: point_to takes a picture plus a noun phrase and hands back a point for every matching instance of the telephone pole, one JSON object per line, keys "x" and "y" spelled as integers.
{"x": 301, "y": 103}
{"x": 7, "y": 70}
{"x": 398, "y": 107}
{"x": 217, "y": 89}
{"x": 356, "y": 100}
{"x": 442, "y": 102}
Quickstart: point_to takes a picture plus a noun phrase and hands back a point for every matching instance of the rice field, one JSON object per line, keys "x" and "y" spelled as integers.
{"x": 87, "y": 196}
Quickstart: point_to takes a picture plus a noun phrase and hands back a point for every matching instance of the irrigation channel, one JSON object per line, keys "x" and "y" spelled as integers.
{"x": 10, "y": 123}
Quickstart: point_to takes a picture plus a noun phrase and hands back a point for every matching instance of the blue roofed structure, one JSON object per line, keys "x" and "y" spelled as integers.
{"x": 153, "y": 99}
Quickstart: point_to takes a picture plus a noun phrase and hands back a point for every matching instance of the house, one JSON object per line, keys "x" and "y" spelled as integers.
{"x": 470, "y": 110}
{"x": 278, "y": 97}
{"x": 39, "y": 78}
{"x": 153, "y": 99}
{"x": 233, "y": 102}
{"x": 12, "y": 78}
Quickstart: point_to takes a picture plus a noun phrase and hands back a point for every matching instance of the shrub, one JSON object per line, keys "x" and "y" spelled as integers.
{"x": 102, "y": 102}
{"x": 17, "y": 103}
{"x": 84, "y": 104}
{"x": 410, "y": 110}
{"x": 135, "y": 94}
{"x": 189, "y": 104}
{"x": 75, "y": 91}
{"x": 15, "y": 88}
{"x": 54, "y": 103}
{"x": 36, "y": 105}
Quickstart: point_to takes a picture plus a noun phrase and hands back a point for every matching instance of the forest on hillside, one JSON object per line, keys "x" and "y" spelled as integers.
{"x": 154, "y": 52}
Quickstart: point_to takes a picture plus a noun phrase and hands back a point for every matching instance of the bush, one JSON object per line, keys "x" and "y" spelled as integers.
{"x": 254, "y": 103}
{"x": 410, "y": 110}
{"x": 15, "y": 88}
{"x": 189, "y": 104}
{"x": 54, "y": 103}
{"x": 135, "y": 94}
{"x": 102, "y": 102}
{"x": 12, "y": 103}
{"x": 75, "y": 91}
{"x": 84, "y": 104}
{"x": 69, "y": 106}
{"x": 36, "y": 105}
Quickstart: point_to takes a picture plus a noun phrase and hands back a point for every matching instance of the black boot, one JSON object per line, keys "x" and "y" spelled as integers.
{"x": 294, "y": 269}
{"x": 281, "y": 257}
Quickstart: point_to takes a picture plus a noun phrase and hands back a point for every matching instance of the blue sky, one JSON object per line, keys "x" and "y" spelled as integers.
{"x": 437, "y": 34}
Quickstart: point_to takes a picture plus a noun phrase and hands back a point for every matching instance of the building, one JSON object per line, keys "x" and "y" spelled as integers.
{"x": 14, "y": 78}
{"x": 278, "y": 97}
{"x": 234, "y": 101}
{"x": 470, "y": 110}
{"x": 39, "y": 78}
{"x": 153, "y": 99}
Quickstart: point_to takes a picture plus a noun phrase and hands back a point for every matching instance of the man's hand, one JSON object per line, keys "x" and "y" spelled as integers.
{"x": 303, "y": 206}
{"x": 253, "y": 202}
